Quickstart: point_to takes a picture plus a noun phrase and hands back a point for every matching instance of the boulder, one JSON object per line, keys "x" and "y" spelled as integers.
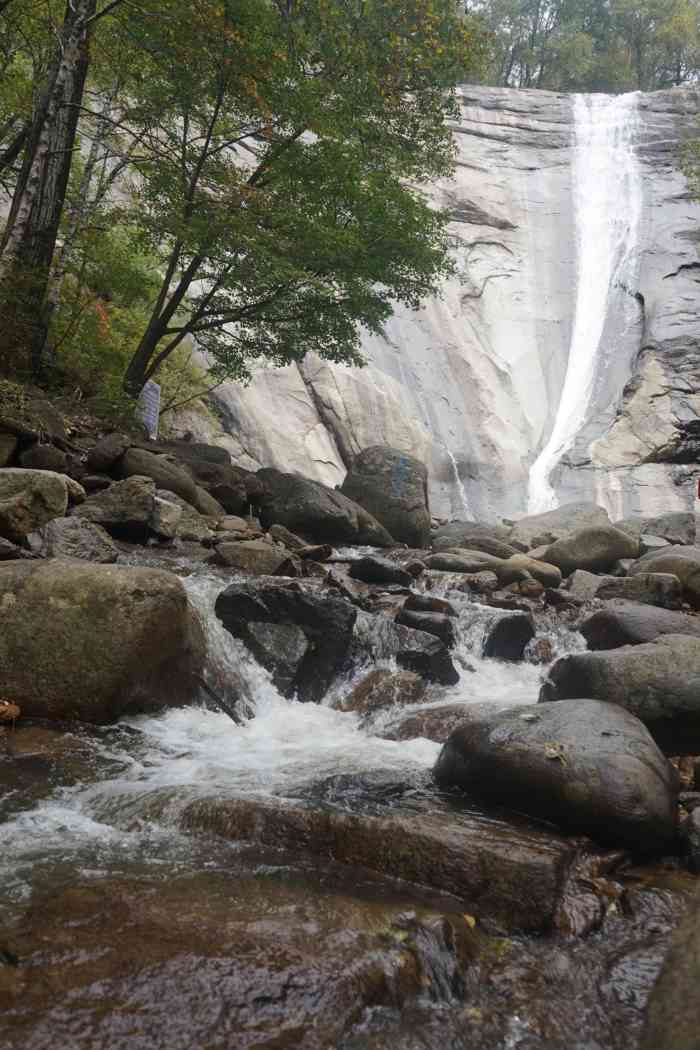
{"x": 431, "y": 723}
{"x": 207, "y": 504}
{"x": 288, "y": 539}
{"x": 74, "y": 538}
{"x": 233, "y": 487}
{"x": 683, "y": 562}
{"x": 44, "y": 457}
{"x": 547, "y": 575}
{"x": 164, "y": 470}
{"x": 659, "y": 682}
{"x": 676, "y": 527}
{"x": 166, "y": 517}
{"x": 318, "y": 513}
{"x": 431, "y": 622}
{"x": 30, "y": 498}
{"x": 631, "y": 623}
{"x": 485, "y": 582}
{"x": 380, "y": 638}
{"x": 448, "y": 538}
{"x": 589, "y": 767}
{"x": 90, "y": 642}
{"x": 251, "y": 556}
{"x": 372, "y": 569}
{"x": 584, "y": 585}
{"x": 539, "y": 529}
{"x": 508, "y": 636}
{"x": 595, "y": 548}
{"x": 468, "y": 562}
{"x": 673, "y": 1012}
{"x": 125, "y": 509}
{"x": 326, "y": 622}
{"x": 649, "y": 588}
{"x": 456, "y": 532}
{"x": 429, "y": 603}
{"x": 10, "y": 552}
{"x": 189, "y": 525}
{"x": 102, "y": 456}
{"x": 393, "y": 487}
{"x": 648, "y": 543}
{"x": 382, "y": 689}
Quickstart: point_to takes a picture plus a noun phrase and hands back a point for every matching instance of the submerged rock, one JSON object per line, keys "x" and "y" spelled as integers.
{"x": 393, "y": 487}
{"x": 90, "y": 642}
{"x": 588, "y": 766}
{"x": 659, "y": 682}
{"x": 382, "y": 689}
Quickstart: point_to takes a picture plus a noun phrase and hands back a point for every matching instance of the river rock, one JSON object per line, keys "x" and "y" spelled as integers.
{"x": 547, "y": 575}
{"x": 379, "y": 638}
{"x": 449, "y": 537}
{"x": 372, "y": 569}
{"x": 431, "y": 622}
{"x": 165, "y": 471}
{"x": 630, "y": 623}
{"x": 683, "y": 562}
{"x": 429, "y": 603}
{"x": 318, "y": 513}
{"x": 189, "y": 525}
{"x": 382, "y": 689}
{"x": 125, "y": 509}
{"x": 435, "y": 722}
{"x": 103, "y": 455}
{"x": 649, "y": 588}
{"x": 595, "y": 548}
{"x": 74, "y": 538}
{"x": 659, "y": 682}
{"x": 508, "y": 636}
{"x": 588, "y": 766}
{"x": 327, "y": 623}
{"x": 11, "y": 552}
{"x": 485, "y": 582}
{"x": 393, "y": 487}
{"x": 30, "y": 498}
{"x": 40, "y": 456}
{"x": 675, "y": 528}
{"x": 90, "y": 642}
{"x": 536, "y": 530}
{"x": 251, "y": 556}
{"x": 673, "y": 1012}
{"x": 288, "y": 539}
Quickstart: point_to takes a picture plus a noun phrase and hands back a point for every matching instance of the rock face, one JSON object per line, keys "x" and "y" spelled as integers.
{"x": 588, "y": 766}
{"x": 454, "y": 387}
{"x": 303, "y": 665}
{"x": 89, "y": 642}
{"x": 658, "y": 682}
{"x": 317, "y": 512}
{"x": 393, "y": 487}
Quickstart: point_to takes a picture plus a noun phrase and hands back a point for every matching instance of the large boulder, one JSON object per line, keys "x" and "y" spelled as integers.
{"x": 683, "y": 562}
{"x": 538, "y": 530}
{"x": 316, "y": 512}
{"x": 164, "y": 470}
{"x": 393, "y": 487}
{"x": 630, "y": 623}
{"x": 649, "y": 588}
{"x": 508, "y": 636}
{"x": 90, "y": 642}
{"x": 676, "y": 527}
{"x": 125, "y": 509}
{"x": 673, "y": 1011}
{"x": 74, "y": 538}
{"x": 595, "y": 548}
{"x": 588, "y": 766}
{"x": 31, "y": 498}
{"x": 103, "y": 455}
{"x": 659, "y": 682}
{"x": 325, "y": 623}
{"x": 490, "y": 540}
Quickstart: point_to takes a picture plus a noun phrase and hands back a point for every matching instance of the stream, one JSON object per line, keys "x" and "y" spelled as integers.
{"x": 169, "y": 879}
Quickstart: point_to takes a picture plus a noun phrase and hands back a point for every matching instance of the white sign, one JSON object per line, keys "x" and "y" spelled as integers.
{"x": 149, "y": 407}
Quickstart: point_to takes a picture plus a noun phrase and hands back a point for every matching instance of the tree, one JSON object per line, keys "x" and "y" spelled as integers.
{"x": 279, "y": 183}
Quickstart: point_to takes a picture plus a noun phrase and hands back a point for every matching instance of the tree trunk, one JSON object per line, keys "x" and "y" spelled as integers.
{"x": 136, "y": 373}
{"x": 29, "y": 239}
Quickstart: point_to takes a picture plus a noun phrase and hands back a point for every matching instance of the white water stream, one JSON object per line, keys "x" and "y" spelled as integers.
{"x": 607, "y": 189}
{"x": 132, "y": 809}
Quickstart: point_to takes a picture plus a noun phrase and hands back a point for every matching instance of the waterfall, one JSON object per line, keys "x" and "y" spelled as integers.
{"x": 607, "y": 191}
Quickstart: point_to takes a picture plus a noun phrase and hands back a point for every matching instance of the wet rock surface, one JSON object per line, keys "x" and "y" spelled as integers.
{"x": 586, "y": 765}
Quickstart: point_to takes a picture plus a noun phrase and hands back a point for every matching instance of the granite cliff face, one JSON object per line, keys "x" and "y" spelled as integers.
{"x": 475, "y": 384}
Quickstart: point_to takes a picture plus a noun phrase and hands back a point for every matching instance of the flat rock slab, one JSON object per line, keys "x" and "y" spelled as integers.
{"x": 515, "y": 874}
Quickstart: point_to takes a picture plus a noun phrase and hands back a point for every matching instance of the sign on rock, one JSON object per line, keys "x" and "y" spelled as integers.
{"x": 149, "y": 407}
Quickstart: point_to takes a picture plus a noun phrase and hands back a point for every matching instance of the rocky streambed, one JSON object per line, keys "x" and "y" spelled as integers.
{"x": 279, "y": 780}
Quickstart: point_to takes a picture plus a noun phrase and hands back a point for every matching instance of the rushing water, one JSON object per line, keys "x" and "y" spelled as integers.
{"x": 607, "y": 192}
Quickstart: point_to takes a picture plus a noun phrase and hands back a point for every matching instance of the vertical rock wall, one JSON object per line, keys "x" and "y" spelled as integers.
{"x": 471, "y": 384}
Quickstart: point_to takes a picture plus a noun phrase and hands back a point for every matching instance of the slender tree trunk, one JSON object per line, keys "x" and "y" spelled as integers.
{"x": 29, "y": 239}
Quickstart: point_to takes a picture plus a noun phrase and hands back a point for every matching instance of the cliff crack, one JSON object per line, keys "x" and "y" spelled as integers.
{"x": 684, "y": 266}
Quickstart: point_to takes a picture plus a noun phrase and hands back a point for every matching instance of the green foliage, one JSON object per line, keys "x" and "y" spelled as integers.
{"x": 593, "y": 45}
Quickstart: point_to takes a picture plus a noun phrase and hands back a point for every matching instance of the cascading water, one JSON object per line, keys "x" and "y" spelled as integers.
{"x": 607, "y": 205}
